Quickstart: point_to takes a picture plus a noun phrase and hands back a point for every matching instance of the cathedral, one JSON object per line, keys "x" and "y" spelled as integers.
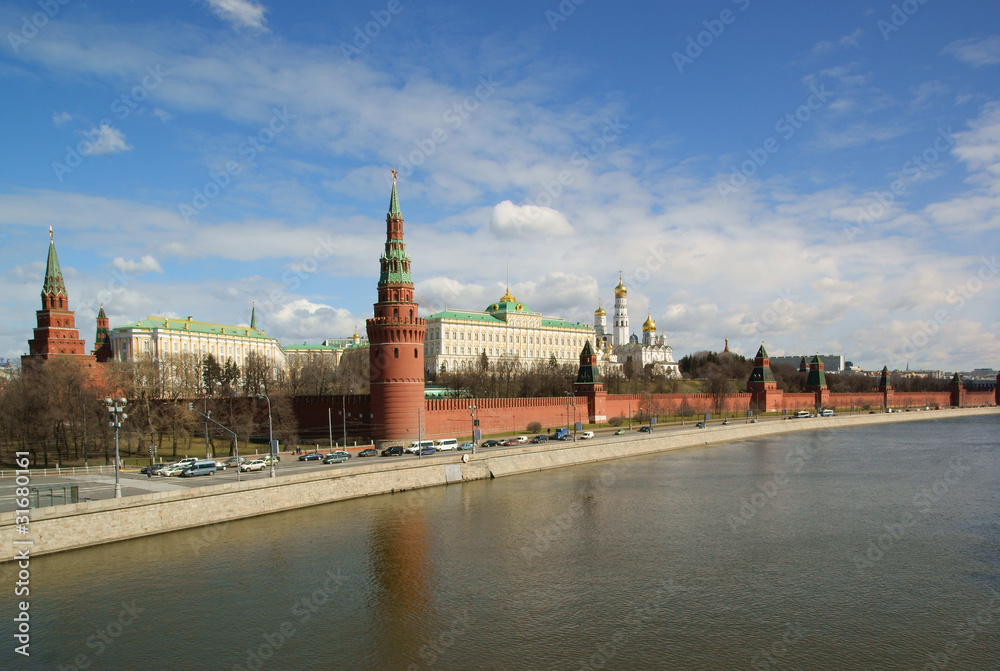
{"x": 618, "y": 346}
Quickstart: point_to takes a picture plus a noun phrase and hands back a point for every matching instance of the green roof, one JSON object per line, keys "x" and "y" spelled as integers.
{"x": 305, "y": 347}
{"x": 54, "y": 283}
{"x": 191, "y": 326}
{"x": 488, "y": 318}
{"x": 394, "y": 212}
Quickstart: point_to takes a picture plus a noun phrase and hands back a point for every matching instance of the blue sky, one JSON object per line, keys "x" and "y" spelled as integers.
{"x": 822, "y": 178}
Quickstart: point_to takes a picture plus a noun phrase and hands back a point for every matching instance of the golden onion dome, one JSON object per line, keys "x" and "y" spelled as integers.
{"x": 620, "y": 290}
{"x": 599, "y": 312}
{"x": 507, "y": 298}
{"x": 649, "y": 325}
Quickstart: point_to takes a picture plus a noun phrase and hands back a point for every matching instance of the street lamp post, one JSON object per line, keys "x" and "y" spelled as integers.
{"x": 472, "y": 413}
{"x": 270, "y": 437}
{"x": 236, "y": 441}
{"x": 116, "y": 408}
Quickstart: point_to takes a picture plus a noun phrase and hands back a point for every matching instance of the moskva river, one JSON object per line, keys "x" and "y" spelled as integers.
{"x": 868, "y": 548}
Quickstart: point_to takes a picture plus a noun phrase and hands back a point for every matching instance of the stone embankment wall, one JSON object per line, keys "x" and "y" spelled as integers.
{"x": 68, "y": 527}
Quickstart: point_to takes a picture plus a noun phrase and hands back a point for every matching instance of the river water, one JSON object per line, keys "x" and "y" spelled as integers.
{"x": 869, "y": 548}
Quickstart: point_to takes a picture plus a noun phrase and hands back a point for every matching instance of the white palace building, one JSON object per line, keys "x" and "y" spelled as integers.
{"x": 456, "y": 339}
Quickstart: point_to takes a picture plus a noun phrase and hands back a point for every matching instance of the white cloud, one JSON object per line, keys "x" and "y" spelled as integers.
{"x": 162, "y": 115}
{"x": 975, "y": 52}
{"x": 850, "y": 40}
{"x": 515, "y": 221}
{"x": 61, "y": 118}
{"x": 147, "y": 264}
{"x": 106, "y": 140}
{"x": 239, "y": 13}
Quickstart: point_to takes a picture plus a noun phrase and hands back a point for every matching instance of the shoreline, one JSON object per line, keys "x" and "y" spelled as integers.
{"x": 74, "y": 526}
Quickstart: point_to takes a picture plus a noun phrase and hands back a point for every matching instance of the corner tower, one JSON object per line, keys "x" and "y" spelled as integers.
{"x": 56, "y": 334}
{"x": 396, "y": 336}
{"x": 763, "y": 388}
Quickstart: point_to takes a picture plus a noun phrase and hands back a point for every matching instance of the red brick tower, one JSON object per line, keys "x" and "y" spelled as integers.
{"x": 816, "y": 382}
{"x": 761, "y": 384}
{"x": 396, "y": 336}
{"x": 102, "y": 338}
{"x": 957, "y": 389}
{"x": 886, "y": 388}
{"x": 588, "y": 384}
{"x": 56, "y": 334}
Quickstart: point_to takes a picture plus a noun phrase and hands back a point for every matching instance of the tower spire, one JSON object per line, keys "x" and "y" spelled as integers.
{"x": 253, "y": 315}
{"x": 394, "y": 212}
{"x": 54, "y": 283}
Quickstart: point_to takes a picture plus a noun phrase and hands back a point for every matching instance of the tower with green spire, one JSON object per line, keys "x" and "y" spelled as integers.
{"x": 102, "y": 338}
{"x": 56, "y": 334}
{"x": 253, "y": 316}
{"x": 763, "y": 388}
{"x": 396, "y": 336}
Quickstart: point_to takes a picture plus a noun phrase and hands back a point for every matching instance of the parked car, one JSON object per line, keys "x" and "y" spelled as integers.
{"x": 620, "y": 432}
{"x": 466, "y": 446}
{"x": 427, "y": 450}
{"x": 700, "y": 425}
{"x": 540, "y": 439}
{"x": 586, "y": 435}
{"x": 490, "y": 443}
{"x": 255, "y": 465}
{"x": 369, "y": 452}
{"x": 335, "y": 458}
{"x": 312, "y": 456}
{"x": 648, "y": 429}
{"x": 393, "y": 451}
{"x": 231, "y": 462}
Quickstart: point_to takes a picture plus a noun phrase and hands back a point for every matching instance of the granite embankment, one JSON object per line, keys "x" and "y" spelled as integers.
{"x": 69, "y": 527}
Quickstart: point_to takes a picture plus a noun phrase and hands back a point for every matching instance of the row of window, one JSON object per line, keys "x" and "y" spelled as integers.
{"x": 503, "y": 338}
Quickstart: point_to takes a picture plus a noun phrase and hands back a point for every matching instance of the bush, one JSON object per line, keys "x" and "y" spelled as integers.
{"x": 616, "y": 421}
{"x": 534, "y": 427}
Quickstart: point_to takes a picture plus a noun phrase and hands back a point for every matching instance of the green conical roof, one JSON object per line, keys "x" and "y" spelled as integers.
{"x": 54, "y": 283}
{"x": 394, "y": 212}
{"x": 100, "y": 313}
{"x": 817, "y": 376}
{"x": 762, "y": 353}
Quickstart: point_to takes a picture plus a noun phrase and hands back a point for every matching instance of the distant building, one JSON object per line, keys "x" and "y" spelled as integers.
{"x": 832, "y": 363}
{"x": 330, "y": 352}
{"x": 457, "y": 339}
{"x": 618, "y": 346}
{"x": 159, "y": 337}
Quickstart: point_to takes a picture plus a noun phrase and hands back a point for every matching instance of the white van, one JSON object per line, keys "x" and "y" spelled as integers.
{"x": 586, "y": 435}
{"x": 417, "y": 446}
{"x": 203, "y": 467}
{"x": 446, "y": 444}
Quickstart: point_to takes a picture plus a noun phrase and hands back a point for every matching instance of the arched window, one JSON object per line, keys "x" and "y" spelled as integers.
{"x": 415, "y": 353}
{"x": 395, "y": 313}
{"x": 395, "y": 352}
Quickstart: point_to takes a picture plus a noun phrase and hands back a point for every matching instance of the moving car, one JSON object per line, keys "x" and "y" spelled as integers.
{"x": 466, "y": 446}
{"x": 521, "y": 439}
{"x": 370, "y": 452}
{"x": 446, "y": 444}
{"x": 312, "y": 456}
{"x": 268, "y": 458}
{"x": 620, "y": 432}
{"x": 510, "y": 442}
{"x": 172, "y": 469}
{"x": 490, "y": 443}
{"x": 335, "y": 458}
{"x": 202, "y": 467}
{"x": 231, "y": 462}
{"x": 393, "y": 451}
{"x": 700, "y": 425}
{"x": 540, "y": 439}
{"x": 255, "y": 465}
{"x": 415, "y": 446}
{"x": 586, "y": 435}
{"x": 154, "y": 469}
{"x": 648, "y": 429}
{"x": 427, "y": 450}
{"x": 725, "y": 422}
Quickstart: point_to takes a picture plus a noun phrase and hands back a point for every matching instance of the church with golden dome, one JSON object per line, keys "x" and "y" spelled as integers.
{"x": 619, "y": 345}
